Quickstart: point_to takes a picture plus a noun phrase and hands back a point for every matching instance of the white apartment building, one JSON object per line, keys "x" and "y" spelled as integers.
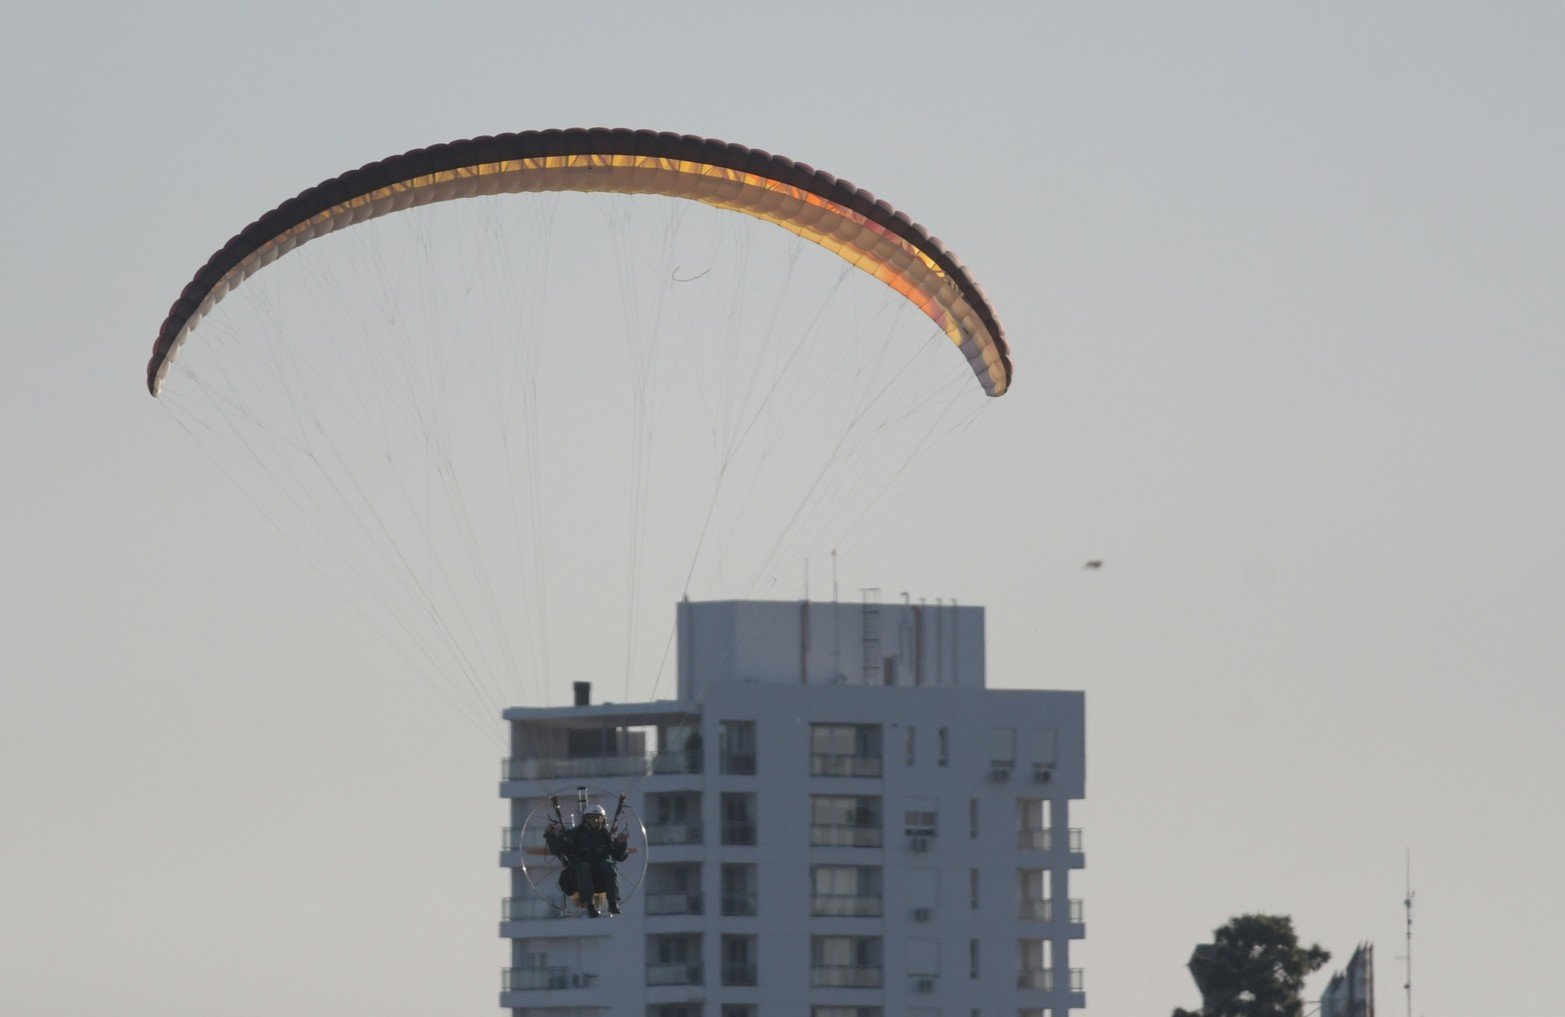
{"x": 842, "y": 821}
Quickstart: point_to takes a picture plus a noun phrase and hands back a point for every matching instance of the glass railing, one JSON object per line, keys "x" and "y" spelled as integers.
{"x": 634, "y": 765}
{"x": 1076, "y": 912}
{"x": 739, "y": 904}
{"x": 1075, "y": 841}
{"x": 834, "y": 765}
{"x": 672, "y": 903}
{"x": 1035, "y": 978}
{"x": 841, "y": 905}
{"x": 738, "y": 832}
{"x": 1037, "y": 910}
{"x": 1078, "y": 980}
{"x": 736, "y": 763}
{"x": 845, "y": 976}
{"x": 845, "y": 836}
{"x": 524, "y": 979}
{"x": 673, "y": 974}
{"x": 517, "y": 909}
{"x": 511, "y": 838}
{"x": 1034, "y": 840}
{"x": 738, "y": 973}
{"x": 674, "y": 833}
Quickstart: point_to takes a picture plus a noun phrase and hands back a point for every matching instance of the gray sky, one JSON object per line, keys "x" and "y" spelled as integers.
{"x": 1282, "y": 288}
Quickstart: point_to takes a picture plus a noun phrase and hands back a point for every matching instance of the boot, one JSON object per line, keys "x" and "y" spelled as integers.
{"x": 614, "y": 907}
{"x": 592, "y": 911}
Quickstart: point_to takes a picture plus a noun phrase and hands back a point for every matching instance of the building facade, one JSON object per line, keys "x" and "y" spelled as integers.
{"x": 842, "y": 821}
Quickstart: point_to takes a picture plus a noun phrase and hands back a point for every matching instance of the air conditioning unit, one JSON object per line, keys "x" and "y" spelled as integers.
{"x": 919, "y": 843}
{"x": 1000, "y": 774}
{"x": 926, "y": 985}
{"x": 1042, "y": 774}
{"x": 922, "y": 914}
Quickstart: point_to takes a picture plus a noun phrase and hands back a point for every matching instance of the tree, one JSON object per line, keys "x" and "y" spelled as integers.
{"x": 1254, "y": 967}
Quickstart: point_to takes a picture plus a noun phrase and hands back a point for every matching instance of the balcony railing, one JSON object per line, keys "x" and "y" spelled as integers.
{"x": 518, "y": 909}
{"x": 673, "y": 974}
{"x": 672, "y": 903}
{"x": 674, "y": 833}
{"x": 1035, "y": 978}
{"x": 633, "y": 765}
{"x": 842, "y": 905}
{"x": 1076, "y": 912}
{"x": 511, "y": 839}
{"x": 1034, "y": 840}
{"x": 739, "y": 973}
{"x": 1037, "y": 910}
{"x": 1075, "y": 840}
{"x": 525, "y": 979}
{"x": 741, "y": 764}
{"x": 837, "y": 765}
{"x": 845, "y": 976}
{"x": 1078, "y": 980}
{"x": 845, "y": 836}
{"x": 739, "y": 904}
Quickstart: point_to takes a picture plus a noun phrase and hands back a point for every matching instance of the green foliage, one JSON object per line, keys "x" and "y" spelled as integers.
{"x": 1254, "y": 967}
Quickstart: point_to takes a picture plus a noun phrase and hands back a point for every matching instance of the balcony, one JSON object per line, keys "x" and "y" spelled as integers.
{"x": 838, "y": 765}
{"x": 1074, "y": 846}
{"x": 535, "y": 979}
{"x": 845, "y": 976}
{"x": 739, "y": 973}
{"x": 841, "y": 905}
{"x": 1078, "y": 980}
{"x": 1075, "y": 916}
{"x": 845, "y": 836}
{"x": 673, "y": 974}
{"x": 672, "y": 904}
{"x": 1035, "y": 978}
{"x": 674, "y": 833}
{"x": 739, "y": 905}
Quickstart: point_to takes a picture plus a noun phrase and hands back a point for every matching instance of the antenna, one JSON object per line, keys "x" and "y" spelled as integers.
{"x": 1407, "y": 904}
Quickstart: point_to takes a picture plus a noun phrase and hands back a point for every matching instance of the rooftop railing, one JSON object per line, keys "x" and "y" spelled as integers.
{"x": 633, "y": 765}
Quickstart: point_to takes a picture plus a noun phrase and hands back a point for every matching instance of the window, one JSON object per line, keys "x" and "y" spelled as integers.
{"x": 972, "y": 888}
{"x": 736, "y": 747}
{"x": 674, "y": 1010}
{"x": 1034, "y": 963}
{"x": 845, "y": 750}
{"x": 945, "y": 746}
{"x": 845, "y": 891}
{"x": 674, "y": 959}
{"x": 972, "y": 818}
{"x": 910, "y": 744}
{"x": 738, "y": 1010}
{"x": 1002, "y": 747}
{"x": 845, "y": 1011}
{"x": 738, "y": 818}
{"x": 738, "y": 889}
{"x": 673, "y": 888}
{"x": 674, "y": 818}
{"x": 845, "y": 821}
{"x": 921, "y": 817}
{"x": 739, "y": 957}
{"x": 1032, "y": 824}
{"x": 972, "y": 958}
{"x": 845, "y": 962}
{"x": 1033, "y": 895}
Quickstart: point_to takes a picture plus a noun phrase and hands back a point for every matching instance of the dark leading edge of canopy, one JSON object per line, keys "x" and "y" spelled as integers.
{"x": 535, "y": 144}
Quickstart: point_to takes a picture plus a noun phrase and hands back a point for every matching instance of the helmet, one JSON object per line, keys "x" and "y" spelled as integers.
{"x": 597, "y": 812}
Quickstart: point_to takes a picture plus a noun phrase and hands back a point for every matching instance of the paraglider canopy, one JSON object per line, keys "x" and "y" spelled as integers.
{"x": 811, "y": 203}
